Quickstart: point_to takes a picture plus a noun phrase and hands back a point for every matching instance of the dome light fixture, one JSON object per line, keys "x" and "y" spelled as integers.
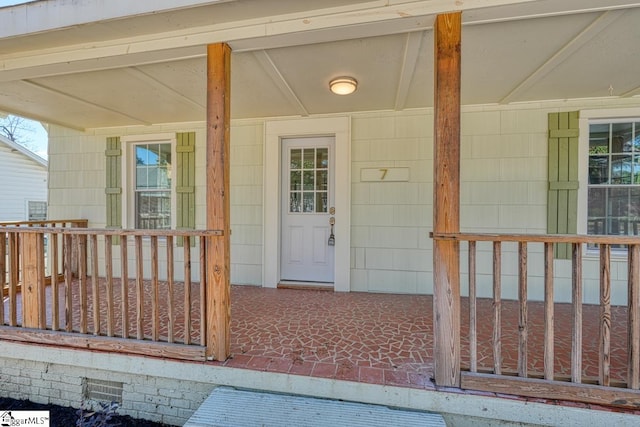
{"x": 343, "y": 85}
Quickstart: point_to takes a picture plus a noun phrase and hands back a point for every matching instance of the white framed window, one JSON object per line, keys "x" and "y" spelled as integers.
{"x": 613, "y": 189}
{"x": 36, "y": 210}
{"x": 149, "y": 188}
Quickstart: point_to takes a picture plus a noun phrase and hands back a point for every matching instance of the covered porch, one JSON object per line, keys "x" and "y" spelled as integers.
{"x": 579, "y": 355}
{"x": 117, "y": 293}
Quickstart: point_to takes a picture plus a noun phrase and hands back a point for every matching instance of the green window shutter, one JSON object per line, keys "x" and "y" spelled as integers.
{"x": 186, "y": 183}
{"x": 562, "y": 203}
{"x": 113, "y": 190}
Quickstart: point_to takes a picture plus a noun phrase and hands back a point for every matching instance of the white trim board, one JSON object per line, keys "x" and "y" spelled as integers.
{"x": 340, "y": 127}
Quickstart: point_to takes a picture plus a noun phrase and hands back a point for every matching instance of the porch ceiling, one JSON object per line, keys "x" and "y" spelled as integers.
{"x": 149, "y": 67}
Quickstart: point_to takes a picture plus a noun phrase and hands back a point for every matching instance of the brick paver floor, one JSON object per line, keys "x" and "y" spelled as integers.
{"x": 365, "y": 337}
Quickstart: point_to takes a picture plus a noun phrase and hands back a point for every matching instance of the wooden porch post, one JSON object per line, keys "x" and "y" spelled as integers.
{"x": 446, "y": 199}
{"x": 33, "y": 298}
{"x": 218, "y": 261}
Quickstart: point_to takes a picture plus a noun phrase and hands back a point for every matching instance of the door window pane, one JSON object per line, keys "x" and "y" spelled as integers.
{"x": 308, "y": 180}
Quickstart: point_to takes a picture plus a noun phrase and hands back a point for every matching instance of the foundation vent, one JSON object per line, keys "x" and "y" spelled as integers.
{"x": 102, "y": 390}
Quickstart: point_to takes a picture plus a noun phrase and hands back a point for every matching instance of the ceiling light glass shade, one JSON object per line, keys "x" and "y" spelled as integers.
{"x": 343, "y": 85}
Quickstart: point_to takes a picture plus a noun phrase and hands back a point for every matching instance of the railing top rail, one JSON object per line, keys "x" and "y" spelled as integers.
{"x": 538, "y": 238}
{"x": 113, "y": 232}
{"x": 83, "y": 222}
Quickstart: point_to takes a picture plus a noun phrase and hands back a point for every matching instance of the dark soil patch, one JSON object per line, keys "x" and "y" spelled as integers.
{"x": 63, "y": 416}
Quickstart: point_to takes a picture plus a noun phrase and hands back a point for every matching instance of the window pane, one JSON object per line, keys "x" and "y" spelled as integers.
{"x": 598, "y": 169}
{"x": 322, "y": 156}
{"x": 621, "y": 169}
{"x": 596, "y": 213}
{"x": 636, "y": 137}
{"x": 599, "y": 138}
{"x": 295, "y": 202}
{"x": 295, "y": 181}
{"x": 296, "y": 159}
{"x": 153, "y": 210}
{"x": 321, "y": 180}
{"x": 618, "y": 210}
{"x": 142, "y": 155}
{"x": 308, "y": 181}
{"x": 321, "y": 202}
{"x": 307, "y": 202}
{"x": 309, "y": 160}
{"x": 634, "y": 210}
{"x": 621, "y": 136}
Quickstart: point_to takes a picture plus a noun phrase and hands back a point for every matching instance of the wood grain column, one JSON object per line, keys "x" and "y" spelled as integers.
{"x": 33, "y": 287}
{"x": 218, "y": 305}
{"x": 446, "y": 203}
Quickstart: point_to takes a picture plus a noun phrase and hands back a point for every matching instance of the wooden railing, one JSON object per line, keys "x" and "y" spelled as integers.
{"x": 539, "y": 372}
{"x": 10, "y": 262}
{"x": 106, "y": 288}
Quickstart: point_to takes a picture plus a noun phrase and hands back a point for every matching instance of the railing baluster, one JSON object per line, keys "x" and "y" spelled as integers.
{"x": 203, "y": 291}
{"x": 523, "y": 321}
{"x": 633, "y": 313}
{"x": 3, "y": 273}
{"x": 171, "y": 285}
{"x": 473, "y": 309}
{"x": 82, "y": 277}
{"x": 187, "y": 289}
{"x": 67, "y": 244}
{"x": 108, "y": 266}
{"x": 14, "y": 277}
{"x": 605, "y": 314}
{"x": 155, "y": 312}
{"x": 576, "y": 298}
{"x": 124, "y": 285}
{"x": 55, "y": 297}
{"x": 95, "y": 290}
{"x": 497, "y": 308}
{"x": 40, "y": 272}
{"x": 139, "y": 289}
{"x": 548, "y": 313}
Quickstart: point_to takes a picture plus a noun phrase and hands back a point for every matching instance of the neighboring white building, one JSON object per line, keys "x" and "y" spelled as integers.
{"x": 23, "y": 175}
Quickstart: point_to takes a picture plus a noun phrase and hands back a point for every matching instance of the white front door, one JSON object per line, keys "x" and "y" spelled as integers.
{"x": 306, "y": 254}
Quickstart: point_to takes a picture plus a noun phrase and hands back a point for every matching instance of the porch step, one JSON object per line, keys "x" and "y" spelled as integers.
{"x": 229, "y": 407}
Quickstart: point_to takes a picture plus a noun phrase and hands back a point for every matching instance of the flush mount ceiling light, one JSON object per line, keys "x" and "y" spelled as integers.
{"x": 343, "y": 85}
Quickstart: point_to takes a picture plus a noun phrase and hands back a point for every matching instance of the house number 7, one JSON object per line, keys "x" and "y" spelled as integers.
{"x": 384, "y": 173}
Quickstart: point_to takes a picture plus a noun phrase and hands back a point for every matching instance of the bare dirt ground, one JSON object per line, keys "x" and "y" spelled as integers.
{"x": 61, "y": 416}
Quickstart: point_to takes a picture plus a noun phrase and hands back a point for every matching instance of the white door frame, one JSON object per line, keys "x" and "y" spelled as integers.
{"x": 339, "y": 127}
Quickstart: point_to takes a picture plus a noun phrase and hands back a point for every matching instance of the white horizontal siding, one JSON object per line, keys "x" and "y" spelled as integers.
{"x": 503, "y": 189}
{"x": 21, "y": 179}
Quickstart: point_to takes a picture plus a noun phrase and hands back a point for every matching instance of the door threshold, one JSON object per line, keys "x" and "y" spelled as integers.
{"x": 315, "y": 286}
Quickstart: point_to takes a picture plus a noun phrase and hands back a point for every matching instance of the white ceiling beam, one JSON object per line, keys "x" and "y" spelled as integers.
{"x": 161, "y": 87}
{"x": 44, "y": 120}
{"x": 572, "y": 46}
{"x": 632, "y": 92}
{"x": 278, "y": 79}
{"x": 84, "y": 102}
{"x": 97, "y": 64}
{"x": 411, "y": 54}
